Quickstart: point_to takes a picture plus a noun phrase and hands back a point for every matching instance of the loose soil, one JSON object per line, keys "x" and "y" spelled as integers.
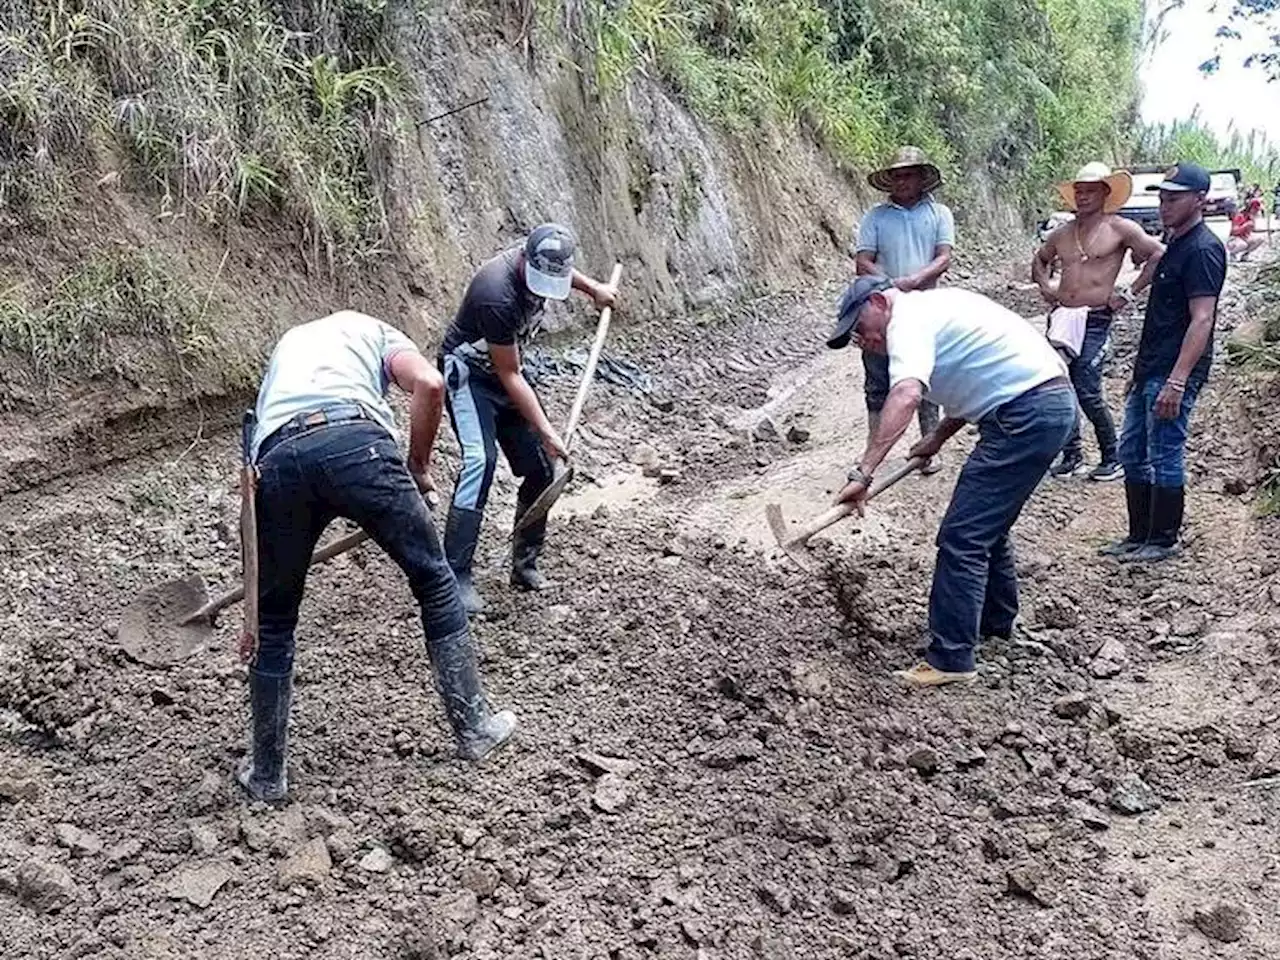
{"x": 713, "y": 761}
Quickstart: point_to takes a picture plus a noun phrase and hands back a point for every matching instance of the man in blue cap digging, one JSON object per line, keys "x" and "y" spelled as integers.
{"x": 982, "y": 364}
{"x": 492, "y": 405}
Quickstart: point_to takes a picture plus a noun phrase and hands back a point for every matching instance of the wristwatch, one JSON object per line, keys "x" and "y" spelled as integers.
{"x": 857, "y": 475}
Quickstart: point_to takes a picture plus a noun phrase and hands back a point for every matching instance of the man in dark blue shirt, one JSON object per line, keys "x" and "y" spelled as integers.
{"x": 1172, "y": 365}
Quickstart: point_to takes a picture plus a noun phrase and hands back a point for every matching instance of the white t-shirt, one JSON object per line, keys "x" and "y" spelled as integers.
{"x": 341, "y": 358}
{"x": 970, "y": 353}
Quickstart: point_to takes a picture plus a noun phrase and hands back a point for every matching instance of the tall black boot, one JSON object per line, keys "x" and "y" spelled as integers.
{"x": 264, "y": 775}
{"x": 1138, "y": 499}
{"x": 461, "y": 533}
{"x": 526, "y": 547}
{"x": 1166, "y": 523}
{"x": 478, "y": 730}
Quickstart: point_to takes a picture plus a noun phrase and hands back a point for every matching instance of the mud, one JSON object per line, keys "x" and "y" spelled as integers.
{"x": 714, "y": 761}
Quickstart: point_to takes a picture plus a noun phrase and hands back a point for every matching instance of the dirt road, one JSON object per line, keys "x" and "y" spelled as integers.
{"x": 714, "y": 761}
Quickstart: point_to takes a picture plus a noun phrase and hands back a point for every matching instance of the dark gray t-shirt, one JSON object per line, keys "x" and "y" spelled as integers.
{"x": 497, "y": 309}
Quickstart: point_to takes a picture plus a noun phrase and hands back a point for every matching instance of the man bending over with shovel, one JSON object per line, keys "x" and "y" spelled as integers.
{"x": 982, "y": 364}
{"x": 492, "y": 405}
{"x": 325, "y": 447}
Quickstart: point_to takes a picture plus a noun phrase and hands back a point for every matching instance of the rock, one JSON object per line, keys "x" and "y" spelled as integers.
{"x": 46, "y": 887}
{"x": 198, "y": 885}
{"x": 1240, "y": 747}
{"x": 204, "y": 839}
{"x": 599, "y": 764}
{"x": 1132, "y": 796}
{"x": 810, "y": 681}
{"x": 1224, "y": 922}
{"x": 765, "y": 430}
{"x": 461, "y": 908}
{"x": 776, "y": 897}
{"x": 1093, "y": 818}
{"x": 538, "y": 892}
{"x": 694, "y": 931}
{"x": 661, "y": 402}
{"x": 321, "y": 821}
{"x": 1110, "y": 660}
{"x": 377, "y": 860}
{"x": 14, "y": 790}
{"x": 481, "y": 879}
{"x": 1073, "y": 706}
{"x": 1189, "y": 623}
{"x": 733, "y": 753}
{"x": 643, "y": 455}
{"x": 970, "y": 757}
{"x": 308, "y": 865}
{"x": 801, "y": 828}
{"x": 416, "y": 838}
{"x": 925, "y": 760}
{"x": 1057, "y": 613}
{"x": 669, "y": 475}
{"x": 81, "y": 843}
{"x": 342, "y": 845}
{"x": 254, "y": 836}
{"x": 797, "y": 434}
{"x": 610, "y": 795}
{"x": 843, "y": 903}
{"x": 1024, "y": 879}
{"x": 123, "y": 852}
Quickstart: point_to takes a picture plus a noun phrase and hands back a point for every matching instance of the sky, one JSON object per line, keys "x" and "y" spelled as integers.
{"x": 1173, "y": 84}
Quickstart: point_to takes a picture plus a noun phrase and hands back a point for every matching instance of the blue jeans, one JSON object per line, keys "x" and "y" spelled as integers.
{"x": 1086, "y": 377}
{"x": 1152, "y": 450}
{"x": 875, "y": 385}
{"x": 975, "y": 588}
{"x": 351, "y": 469}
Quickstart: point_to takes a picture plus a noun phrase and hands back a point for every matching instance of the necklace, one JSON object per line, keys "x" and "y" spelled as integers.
{"x": 1084, "y": 256}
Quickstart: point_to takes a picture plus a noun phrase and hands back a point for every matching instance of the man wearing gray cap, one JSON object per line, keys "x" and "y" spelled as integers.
{"x": 492, "y": 405}
{"x": 982, "y": 364}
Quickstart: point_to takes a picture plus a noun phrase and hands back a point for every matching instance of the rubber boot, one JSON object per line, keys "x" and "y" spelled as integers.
{"x": 461, "y": 532}
{"x": 1166, "y": 522}
{"x": 1138, "y": 499}
{"x": 526, "y": 547}
{"x": 478, "y": 730}
{"x": 264, "y": 775}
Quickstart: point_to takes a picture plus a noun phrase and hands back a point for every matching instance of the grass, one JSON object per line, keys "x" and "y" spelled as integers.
{"x": 222, "y": 107}
{"x": 98, "y": 319}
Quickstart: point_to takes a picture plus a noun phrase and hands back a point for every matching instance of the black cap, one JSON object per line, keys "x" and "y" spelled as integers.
{"x": 1184, "y": 178}
{"x": 855, "y": 297}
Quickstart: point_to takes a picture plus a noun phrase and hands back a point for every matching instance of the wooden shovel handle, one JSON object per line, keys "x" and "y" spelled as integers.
{"x": 842, "y": 510}
{"x": 602, "y": 330}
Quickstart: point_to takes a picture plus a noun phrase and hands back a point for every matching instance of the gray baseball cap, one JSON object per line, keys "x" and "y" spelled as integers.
{"x": 855, "y": 297}
{"x": 548, "y": 261}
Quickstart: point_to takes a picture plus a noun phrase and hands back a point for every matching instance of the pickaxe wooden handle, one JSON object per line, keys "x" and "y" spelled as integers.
{"x": 790, "y": 544}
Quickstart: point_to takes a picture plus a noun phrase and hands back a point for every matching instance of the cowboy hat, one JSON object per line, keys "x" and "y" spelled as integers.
{"x": 1119, "y": 183}
{"x": 906, "y": 157}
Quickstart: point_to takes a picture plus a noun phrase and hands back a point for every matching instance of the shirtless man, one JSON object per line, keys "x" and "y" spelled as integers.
{"x": 1090, "y": 251}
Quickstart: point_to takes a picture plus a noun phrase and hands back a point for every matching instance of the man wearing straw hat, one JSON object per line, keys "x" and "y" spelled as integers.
{"x": 1090, "y": 250}
{"x": 909, "y": 240}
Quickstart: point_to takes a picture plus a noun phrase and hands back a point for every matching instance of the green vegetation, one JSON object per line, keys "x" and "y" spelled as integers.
{"x": 1257, "y": 159}
{"x": 100, "y": 318}
{"x": 1022, "y": 89}
{"x": 222, "y": 106}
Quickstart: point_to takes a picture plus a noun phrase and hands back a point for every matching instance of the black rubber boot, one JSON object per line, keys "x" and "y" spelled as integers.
{"x": 526, "y": 547}
{"x": 478, "y": 730}
{"x": 461, "y": 533}
{"x": 264, "y": 775}
{"x": 1138, "y": 500}
{"x": 1166, "y": 523}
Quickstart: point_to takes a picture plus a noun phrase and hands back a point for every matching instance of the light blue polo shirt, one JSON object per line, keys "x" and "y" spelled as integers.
{"x": 904, "y": 238}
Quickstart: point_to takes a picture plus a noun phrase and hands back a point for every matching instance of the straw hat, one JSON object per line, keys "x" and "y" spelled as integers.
{"x": 906, "y": 157}
{"x": 1119, "y": 182}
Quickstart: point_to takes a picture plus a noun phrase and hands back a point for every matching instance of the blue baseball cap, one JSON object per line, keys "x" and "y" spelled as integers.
{"x": 852, "y": 301}
{"x": 1184, "y": 178}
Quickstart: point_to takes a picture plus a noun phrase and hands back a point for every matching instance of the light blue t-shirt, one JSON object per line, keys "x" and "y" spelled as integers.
{"x": 904, "y": 238}
{"x": 339, "y": 358}
{"x": 970, "y": 353}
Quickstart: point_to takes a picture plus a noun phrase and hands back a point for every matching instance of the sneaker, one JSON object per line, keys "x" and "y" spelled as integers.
{"x": 1151, "y": 553}
{"x": 1120, "y": 548}
{"x": 925, "y": 674}
{"x": 1107, "y": 470}
{"x": 1067, "y": 467}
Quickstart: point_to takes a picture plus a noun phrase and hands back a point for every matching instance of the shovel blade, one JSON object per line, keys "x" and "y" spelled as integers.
{"x": 152, "y": 631}
{"x": 542, "y": 505}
